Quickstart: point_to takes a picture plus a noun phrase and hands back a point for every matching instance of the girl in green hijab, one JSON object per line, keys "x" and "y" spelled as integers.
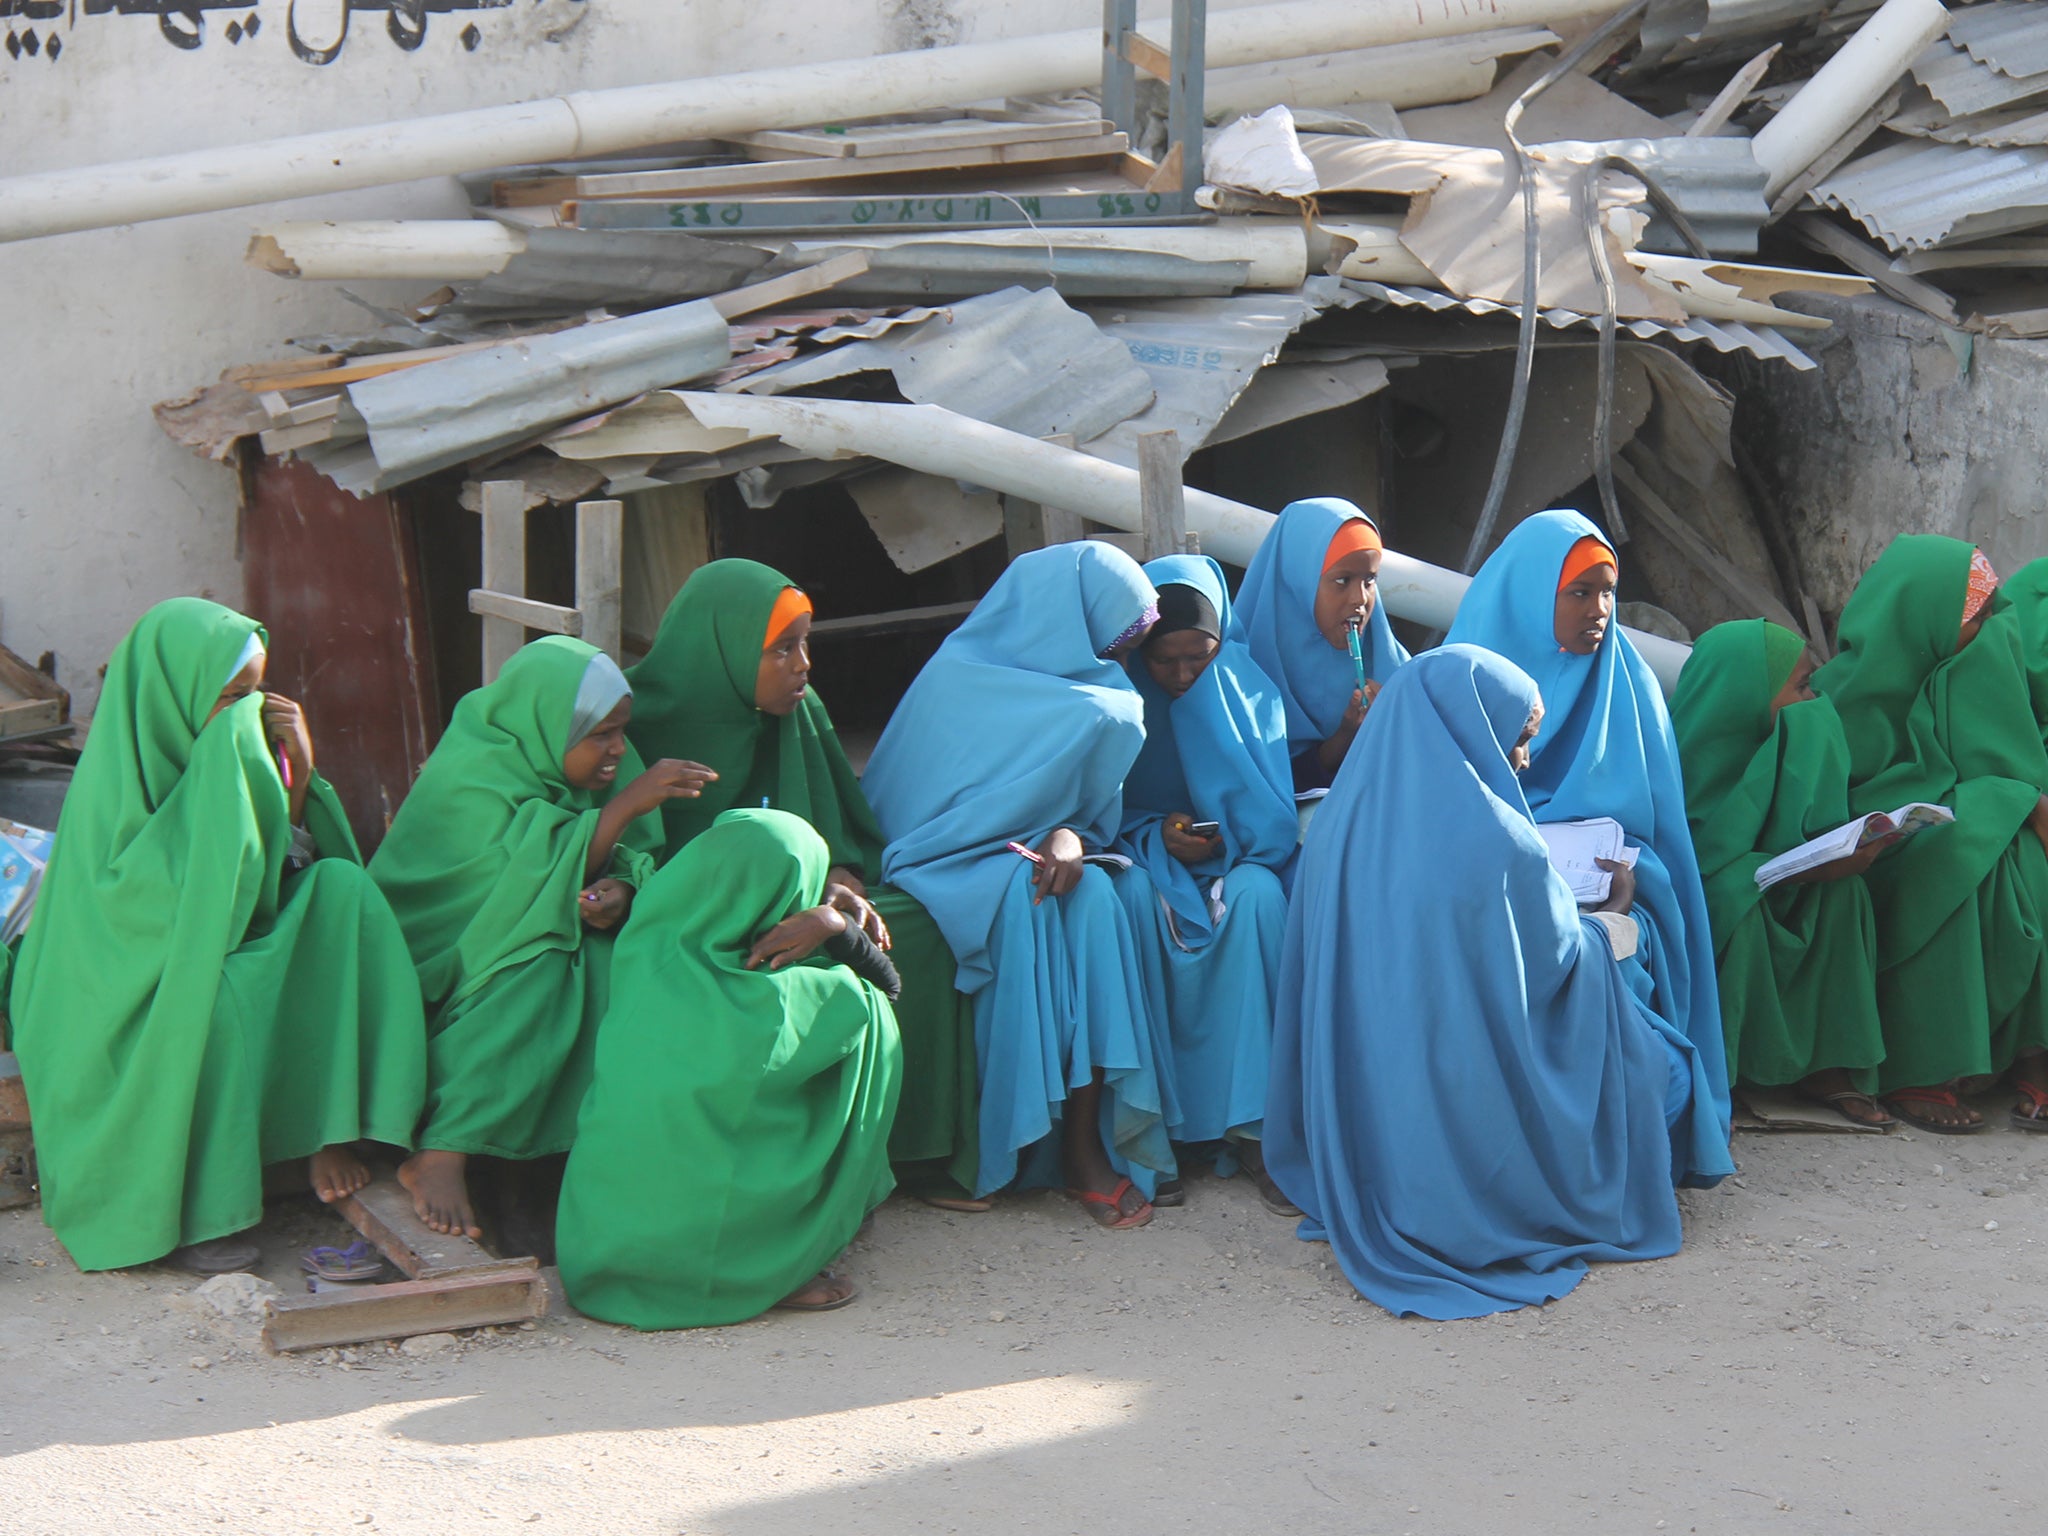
{"x": 210, "y": 983}
{"x": 1932, "y": 693}
{"x": 1766, "y": 768}
{"x": 511, "y": 864}
{"x": 727, "y": 682}
{"x": 736, "y": 1131}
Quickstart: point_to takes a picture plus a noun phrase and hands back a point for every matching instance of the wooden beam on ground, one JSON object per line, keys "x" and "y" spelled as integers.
{"x": 600, "y": 579}
{"x": 1861, "y": 256}
{"x": 383, "y": 1212}
{"x": 503, "y": 508}
{"x": 799, "y": 284}
{"x": 1162, "y": 504}
{"x": 446, "y": 1305}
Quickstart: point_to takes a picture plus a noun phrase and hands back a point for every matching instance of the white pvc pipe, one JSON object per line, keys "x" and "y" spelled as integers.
{"x": 942, "y": 442}
{"x": 631, "y": 117}
{"x": 1845, "y": 88}
{"x": 445, "y": 250}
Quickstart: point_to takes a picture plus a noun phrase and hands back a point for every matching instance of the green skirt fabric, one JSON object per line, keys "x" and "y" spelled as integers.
{"x": 1796, "y": 986}
{"x": 510, "y": 1062}
{"x": 934, "y": 1145}
{"x": 1972, "y": 995}
{"x": 315, "y": 1041}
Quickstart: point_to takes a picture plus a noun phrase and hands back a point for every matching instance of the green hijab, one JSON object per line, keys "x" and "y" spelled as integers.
{"x": 735, "y": 1133}
{"x": 1926, "y": 721}
{"x": 484, "y": 862}
{"x": 1754, "y": 786}
{"x": 168, "y": 856}
{"x": 693, "y": 697}
{"x": 2027, "y": 591}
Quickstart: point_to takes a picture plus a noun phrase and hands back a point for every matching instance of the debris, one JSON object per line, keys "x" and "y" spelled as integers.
{"x": 238, "y": 1297}
{"x": 425, "y": 1344}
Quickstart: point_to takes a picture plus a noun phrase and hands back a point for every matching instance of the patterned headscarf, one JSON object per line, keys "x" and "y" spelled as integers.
{"x": 1983, "y": 582}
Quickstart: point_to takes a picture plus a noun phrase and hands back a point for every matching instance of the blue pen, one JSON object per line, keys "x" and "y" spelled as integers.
{"x": 1351, "y": 629}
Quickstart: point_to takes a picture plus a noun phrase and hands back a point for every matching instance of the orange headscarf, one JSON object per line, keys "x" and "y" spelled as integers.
{"x": 1584, "y": 555}
{"x": 1983, "y": 582}
{"x": 790, "y": 605}
{"x": 1354, "y": 535}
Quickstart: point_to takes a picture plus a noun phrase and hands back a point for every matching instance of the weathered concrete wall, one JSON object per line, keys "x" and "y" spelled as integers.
{"x": 1906, "y": 427}
{"x": 100, "y": 514}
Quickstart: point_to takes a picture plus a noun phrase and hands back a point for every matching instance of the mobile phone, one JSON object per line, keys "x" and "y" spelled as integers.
{"x": 1205, "y": 828}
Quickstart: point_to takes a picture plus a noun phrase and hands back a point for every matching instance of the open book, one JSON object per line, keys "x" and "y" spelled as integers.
{"x": 1575, "y": 845}
{"x": 24, "y": 851}
{"x": 1850, "y": 836}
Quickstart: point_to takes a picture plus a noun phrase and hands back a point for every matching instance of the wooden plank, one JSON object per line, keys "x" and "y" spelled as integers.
{"x": 895, "y": 621}
{"x": 526, "y": 613}
{"x": 383, "y": 1213}
{"x": 17, "y": 1169}
{"x": 878, "y": 139}
{"x": 23, "y": 681}
{"x": 502, "y": 507}
{"x": 1162, "y": 504}
{"x": 282, "y": 367}
{"x": 13, "y": 1096}
{"x": 406, "y": 1308}
{"x": 356, "y": 372}
{"x": 1861, "y": 256}
{"x": 761, "y": 175}
{"x": 1711, "y": 562}
{"x": 792, "y": 285}
{"x": 600, "y": 577}
{"x": 1148, "y": 57}
{"x": 281, "y": 440}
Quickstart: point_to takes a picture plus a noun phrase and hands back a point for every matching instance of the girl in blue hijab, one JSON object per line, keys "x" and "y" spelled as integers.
{"x": 1019, "y": 732}
{"x": 1315, "y": 573}
{"x": 1468, "y": 1103}
{"x": 1545, "y": 600}
{"x": 1208, "y": 908}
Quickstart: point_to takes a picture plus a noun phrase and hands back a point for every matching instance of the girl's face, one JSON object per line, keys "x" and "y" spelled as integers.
{"x": 1177, "y": 660}
{"x": 1585, "y": 607}
{"x": 1797, "y": 689}
{"x": 593, "y": 763}
{"x": 785, "y": 671}
{"x": 1518, "y": 757}
{"x": 1974, "y": 627}
{"x": 1348, "y": 591}
{"x": 240, "y": 686}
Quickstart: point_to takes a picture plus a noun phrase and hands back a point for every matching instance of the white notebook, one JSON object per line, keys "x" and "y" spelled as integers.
{"x": 1574, "y": 845}
{"x": 1907, "y": 820}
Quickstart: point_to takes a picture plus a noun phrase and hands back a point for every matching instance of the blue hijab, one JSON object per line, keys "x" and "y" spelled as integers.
{"x": 1276, "y": 621}
{"x": 1466, "y": 1100}
{"x": 1220, "y": 751}
{"x": 1607, "y": 749}
{"x": 1015, "y": 727}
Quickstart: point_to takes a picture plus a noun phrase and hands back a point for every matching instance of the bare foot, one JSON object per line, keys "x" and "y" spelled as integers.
{"x": 823, "y": 1292}
{"x": 338, "y": 1173}
{"x": 440, "y": 1192}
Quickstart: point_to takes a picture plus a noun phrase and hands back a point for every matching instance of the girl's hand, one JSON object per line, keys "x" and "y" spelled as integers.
{"x": 604, "y": 903}
{"x": 1845, "y": 867}
{"x": 1185, "y": 844}
{"x": 1059, "y": 866}
{"x": 839, "y": 874}
{"x": 857, "y": 909}
{"x": 796, "y": 937}
{"x": 284, "y": 727}
{"x": 672, "y": 778}
{"x": 1332, "y": 751}
{"x": 1621, "y": 889}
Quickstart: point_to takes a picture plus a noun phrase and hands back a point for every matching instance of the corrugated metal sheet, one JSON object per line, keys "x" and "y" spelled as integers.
{"x": 1964, "y": 86}
{"x": 956, "y": 270}
{"x": 446, "y": 412}
{"x": 568, "y": 269}
{"x": 1716, "y": 184}
{"x": 2010, "y": 37}
{"x": 1018, "y": 358}
{"x": 1926, "y": 118}
{"x": 1721, "y": 335}
{"x": 1683, "y": 29}
{"x": 1920, "y": 193}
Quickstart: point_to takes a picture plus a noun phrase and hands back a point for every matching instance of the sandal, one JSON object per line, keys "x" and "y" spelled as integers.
{"x": 1170, "y": 1195}
{"x": 215, "y": 1256}
{"x": 1835, "y": 1101}
{"x": 2032, "y": 1115}
{"x": 360, "y": 1260}
{"x": 1900, "y": 1102}
{"x": 1108, "y": 1210}
{"x": 790, "y": 1304}
{"x": 961, "y": 1203}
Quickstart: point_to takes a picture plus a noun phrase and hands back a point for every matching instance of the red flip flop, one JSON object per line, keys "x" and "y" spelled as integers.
{"x": 1108, "y": 1210}
{"x": 1902, "y": 1102}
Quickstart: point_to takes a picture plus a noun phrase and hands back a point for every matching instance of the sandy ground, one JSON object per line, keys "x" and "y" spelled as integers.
{"x": 1850, "y": 1341}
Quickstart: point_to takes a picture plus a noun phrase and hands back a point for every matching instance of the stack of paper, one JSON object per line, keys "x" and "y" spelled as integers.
{"x": 1846, "y": 839}
{"x": 1576, "y": 845}
{"x": 24, "y": 851}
